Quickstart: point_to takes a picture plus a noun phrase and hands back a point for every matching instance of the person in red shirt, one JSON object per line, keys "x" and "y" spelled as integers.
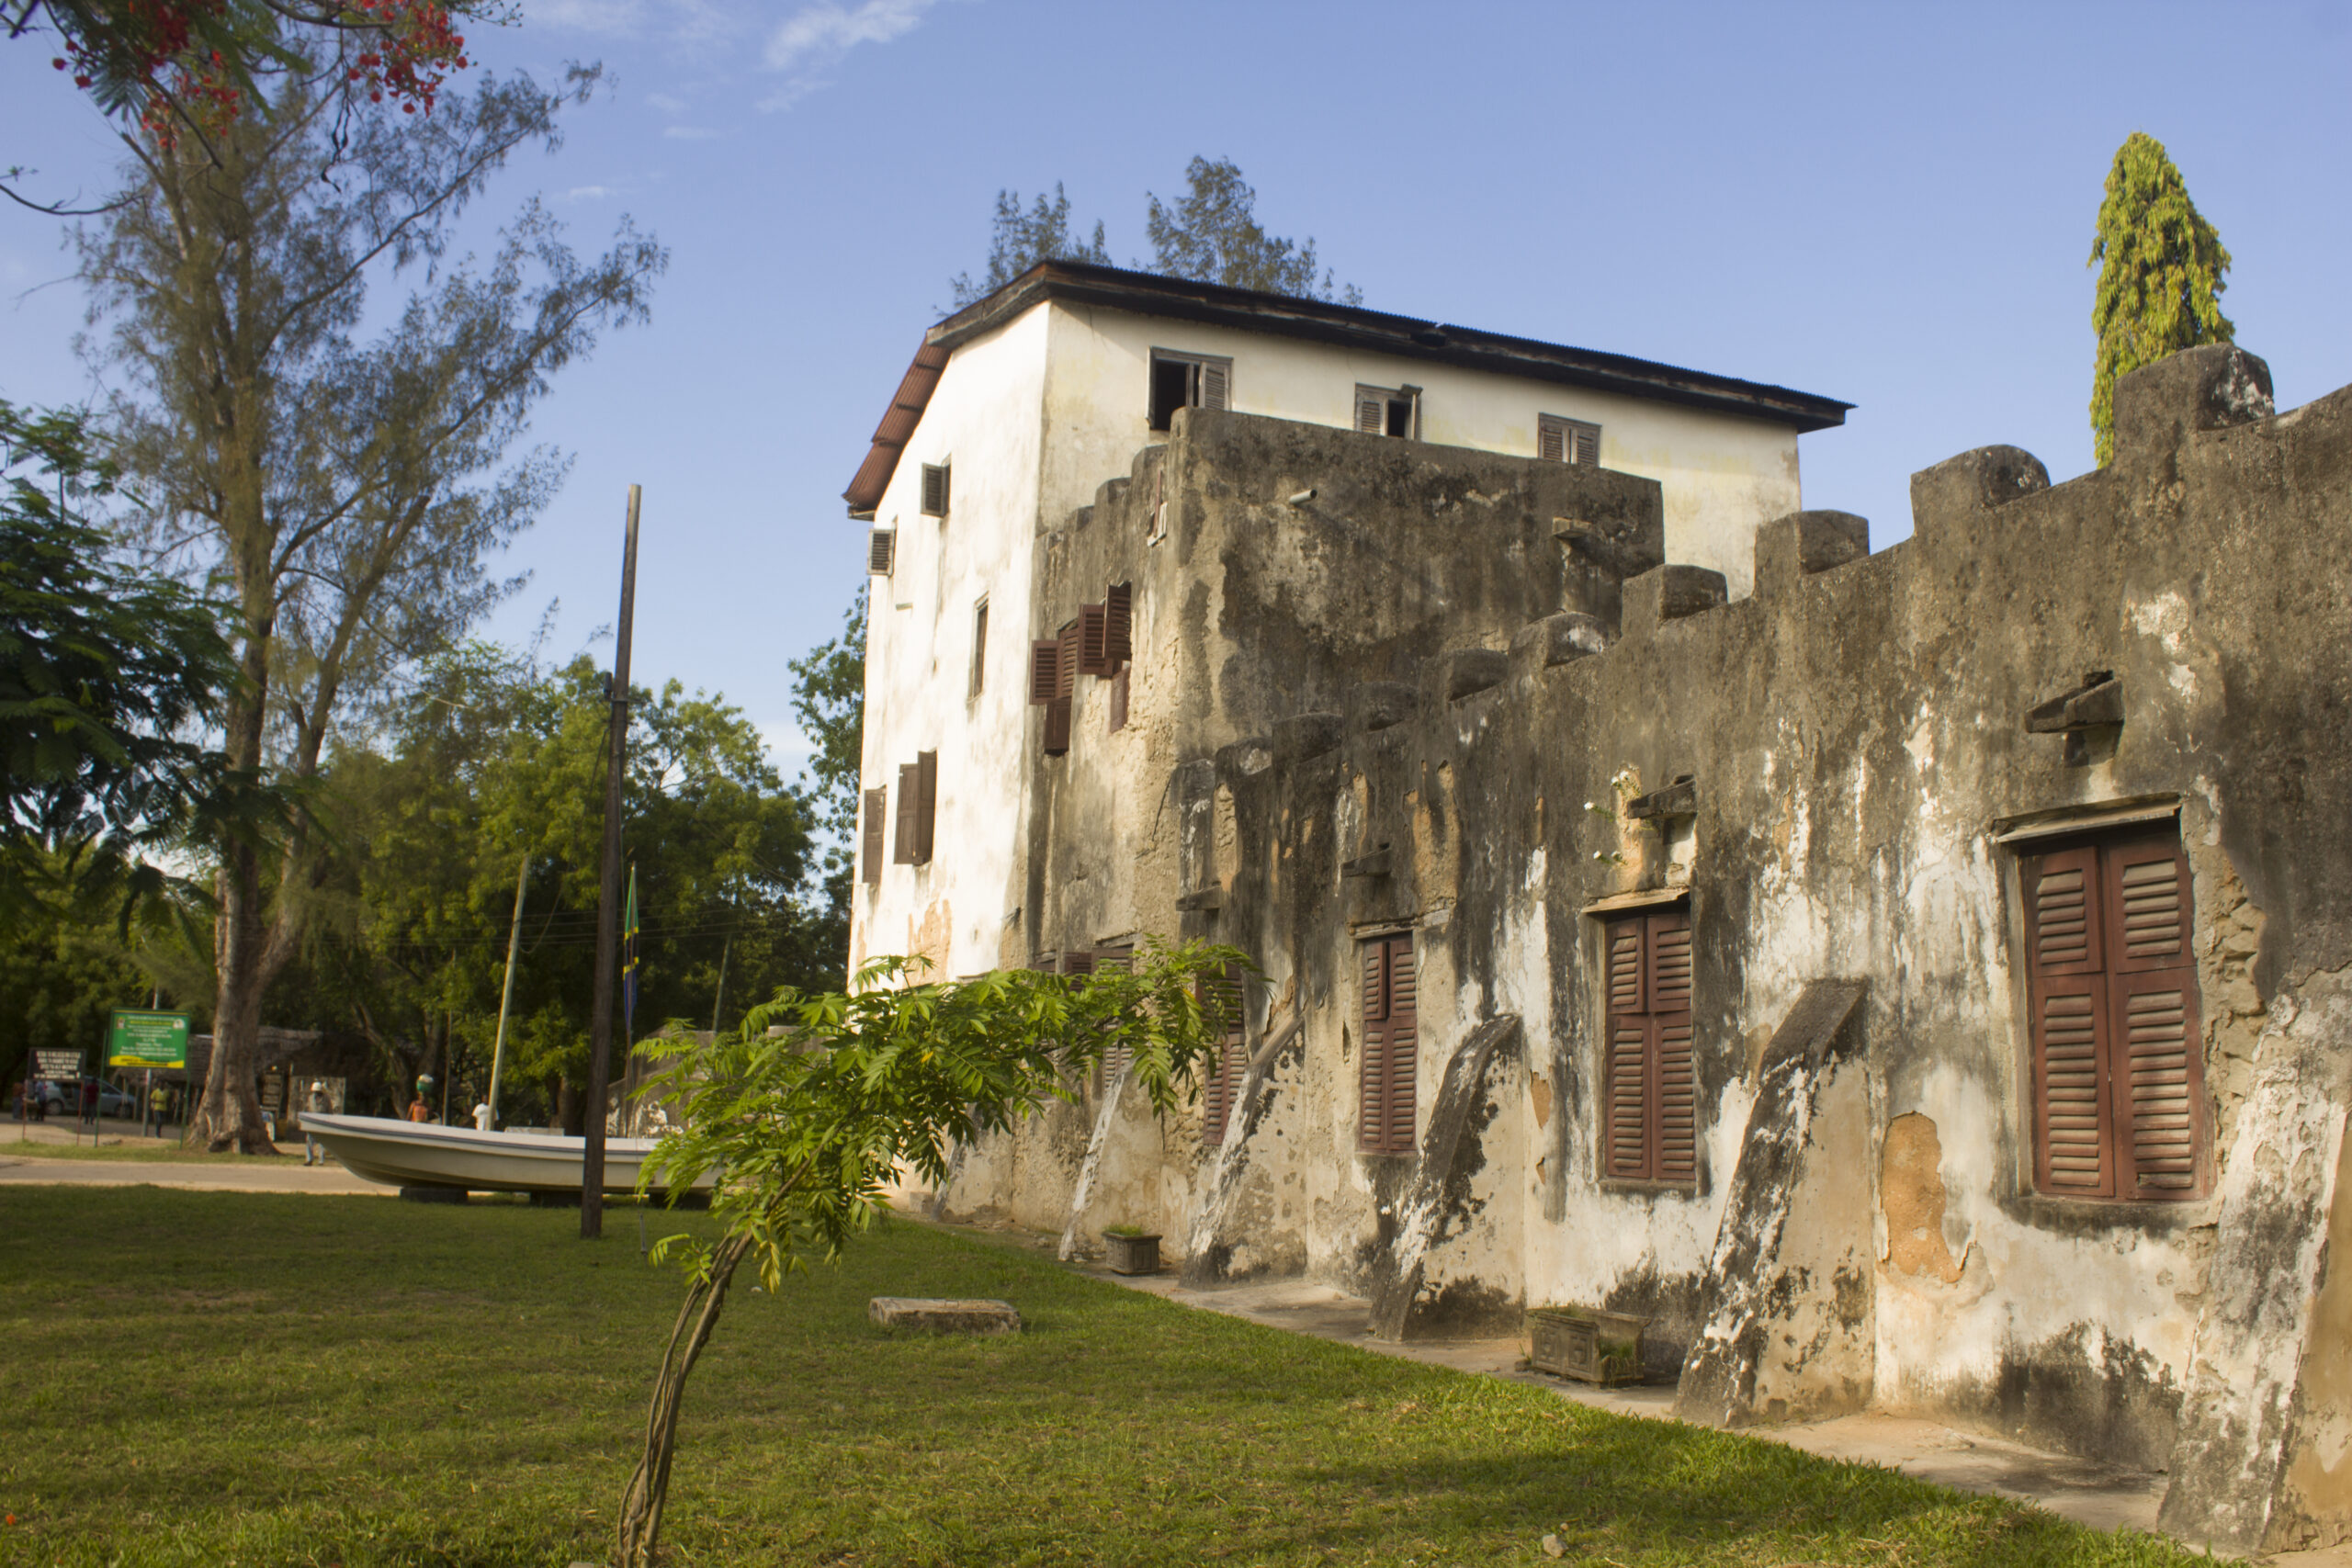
{"x": 416, "y": 1110}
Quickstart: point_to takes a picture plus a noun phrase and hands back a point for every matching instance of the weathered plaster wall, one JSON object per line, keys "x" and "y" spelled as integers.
{"x": 919, "y": 659}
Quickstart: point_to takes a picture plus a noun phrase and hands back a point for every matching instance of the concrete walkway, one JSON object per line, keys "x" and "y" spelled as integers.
{"x": 2102, "y": 1496}
{"x": 21, "y": 1164}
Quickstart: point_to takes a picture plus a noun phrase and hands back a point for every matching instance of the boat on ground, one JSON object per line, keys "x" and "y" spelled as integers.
{"x": 418, "y": 1154}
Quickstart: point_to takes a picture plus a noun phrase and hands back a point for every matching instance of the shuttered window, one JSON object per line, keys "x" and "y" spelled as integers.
{"x": 875, "y": 824}
{"x": 2117, "y": 1067}
{"x": 1560, "y": 440}
{"x": 882, "y": 552}
{"x": 1187, "y": 380}
{"x": 1221, "y": 1086}
{"x": 1093, "y": 640}
{"x": 934, "y": 490}
{"x": 1115, "y": 960}
{"x": 1119, "y": 618}
{"x": 1386, "y": 1086}
{"x": 979, "y": 647}
{"x": 1389, "y": 411}
{"x": 1650, "y": 1076}
{"x": 917, "y": 807}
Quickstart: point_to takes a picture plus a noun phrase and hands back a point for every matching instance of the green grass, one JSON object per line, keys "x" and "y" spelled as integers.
{"x": 217, "y": 1378}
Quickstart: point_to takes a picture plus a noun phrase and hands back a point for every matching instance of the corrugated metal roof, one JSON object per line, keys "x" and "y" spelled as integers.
{"x": 1321, "y": 320}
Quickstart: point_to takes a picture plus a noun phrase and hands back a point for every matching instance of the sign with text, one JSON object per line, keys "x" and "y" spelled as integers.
{"x": 147, "y": 1040}
{"x": 56, "y": 1066}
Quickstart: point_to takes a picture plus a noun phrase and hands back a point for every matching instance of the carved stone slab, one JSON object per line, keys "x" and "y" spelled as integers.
{"x": 921, "y": 1314}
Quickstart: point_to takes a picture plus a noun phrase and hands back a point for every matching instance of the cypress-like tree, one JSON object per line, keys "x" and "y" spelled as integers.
{"x": 2160, "y": 280}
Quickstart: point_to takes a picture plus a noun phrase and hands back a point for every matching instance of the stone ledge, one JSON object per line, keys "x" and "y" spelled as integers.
{"x": 925, "y": 1315}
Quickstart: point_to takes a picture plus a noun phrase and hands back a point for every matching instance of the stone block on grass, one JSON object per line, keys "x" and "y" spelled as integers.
{"x": 923, "y": 1315}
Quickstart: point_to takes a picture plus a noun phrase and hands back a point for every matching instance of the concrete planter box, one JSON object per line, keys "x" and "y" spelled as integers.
{"x": 1132, "y": 1253}
{"x": 1589, "y": 1345}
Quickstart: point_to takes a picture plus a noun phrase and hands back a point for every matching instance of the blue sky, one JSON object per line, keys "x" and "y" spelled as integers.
{"x": 1886, "y": 204}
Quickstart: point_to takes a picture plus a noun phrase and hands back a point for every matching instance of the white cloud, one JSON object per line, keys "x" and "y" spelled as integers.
{"x": 814, "y": 39}
{"x": 587, "y": 193}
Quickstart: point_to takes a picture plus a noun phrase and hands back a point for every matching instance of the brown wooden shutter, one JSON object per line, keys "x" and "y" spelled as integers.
{"x": 1587, "y": 452}
{"x": 1372, "y": 413}
{"x": 2061, "y": 913}
{"x": 1673, "y": 1134}
{"x": 1625, "y": 1095}
{"x": 1223, "y": 1080}
{"x": 2155, "y": 1022}
{"x": 979, "y": 647}
{"x": 926, "y": 803}
{"x": 1551, "y": 440}
{"x": 872, "y": 849}
{"x": 904, "y": 853}
{"x": 1118, "y": 622}
{"x": 1066, "y": 666}
{"x": 1093, "y": 640}
{"x": 1372, "y": 1068}
{"x": 1044, "y": 670}
{"x": 1216, "y": 383}
{"x": 2072, "y": 1118}
{"x": 882, "y": 551}
{"x": 1058, "y": 719}
{"x": 1079, "y": 963}
{"x": 934, "y": 490}
{"x": 1118, "y": 701}
{"x": 1404, "y": 1044}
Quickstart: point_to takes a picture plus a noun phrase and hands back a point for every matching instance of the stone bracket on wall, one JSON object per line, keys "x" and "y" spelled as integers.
{"x": 1768, "y": 1288}
{"x": 2236, "y": 1435}
{"x": 1210, "y": 1244}
{"x": 1422, "y": 1211}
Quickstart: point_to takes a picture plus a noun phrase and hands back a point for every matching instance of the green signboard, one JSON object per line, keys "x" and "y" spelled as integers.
{"x": 147, "y": 1040}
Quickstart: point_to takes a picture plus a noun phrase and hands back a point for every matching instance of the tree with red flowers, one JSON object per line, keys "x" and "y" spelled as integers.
{"x": 181, "y": 67}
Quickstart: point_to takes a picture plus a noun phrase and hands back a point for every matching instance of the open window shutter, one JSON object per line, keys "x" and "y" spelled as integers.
{"x": 1587, "y": 452}
{"x": 1372, "y": 1080}
{"x": 2154, "y": 1024}
{"x": 1066, "y": 669}
{"x": 1404, "y": 1044}
{"x": 1372, "y": 413}
{"x": 1215, "y": 380}
{"x": 1118, "y": 622}
{"x": 2073, "y": 1116}
{"x": 1118, "y": 961}
{"x": 1093, "y": 640}
{"x": 1552, "y": 441}
{"x": 1625, "y": 1152}
{"x": 872, "y": 849}
{"x": 926, "y": 803}
{"x": 881, "y": 551}
{"x": 1044, "y": 670}
{"x": 1223, "y": 992}
{"x": 934, "y": 490}
{"x": 1673, "y": 1075}
{"x": 905, "y": 852}
{"x": 1057, "y": 718}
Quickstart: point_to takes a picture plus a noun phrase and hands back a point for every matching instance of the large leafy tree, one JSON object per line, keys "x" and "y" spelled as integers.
{"x": 1211, "y": 233}
{"x": 108, "y": 674}
{"x": 2161, "y": 275}
{"x": 488, "y": 760}
{"x": 342, "y": 494}
{"x": 1022, "y": 237}
{"x": 820, "y": 1101}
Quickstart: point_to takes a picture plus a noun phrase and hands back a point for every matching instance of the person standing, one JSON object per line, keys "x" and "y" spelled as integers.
{"x": 418, "y": 1110}
{"x": 316, "y": 1102}
{"x": 481, "y": 1116}
{"x": 159, "y": 1100}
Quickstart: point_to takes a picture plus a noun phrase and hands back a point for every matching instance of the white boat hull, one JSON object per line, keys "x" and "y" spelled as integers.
{"x": 417, "y": 1154}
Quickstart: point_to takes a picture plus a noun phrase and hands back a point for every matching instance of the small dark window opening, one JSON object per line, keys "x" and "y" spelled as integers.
{"x": 1401, "y": 418}
{"x": 1392, "y": 411}
{"x": 1172, "y": 388}
{"x": 979, "y": 647}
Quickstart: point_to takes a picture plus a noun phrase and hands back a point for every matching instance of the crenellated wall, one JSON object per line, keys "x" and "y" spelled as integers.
{"x": 1380, "y": 686}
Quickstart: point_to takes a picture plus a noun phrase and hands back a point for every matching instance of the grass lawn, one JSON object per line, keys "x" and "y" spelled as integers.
{"x": 218, "y": 1378}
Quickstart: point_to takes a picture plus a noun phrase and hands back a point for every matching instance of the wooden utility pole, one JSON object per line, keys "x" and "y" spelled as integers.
{"x": 506, "y": 994}
{"x": 608, "y": 906}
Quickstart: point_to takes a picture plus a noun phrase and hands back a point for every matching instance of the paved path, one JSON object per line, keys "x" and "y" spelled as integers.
{"x": 2103, "y": 1497}
{"x": 287, "y": 1174}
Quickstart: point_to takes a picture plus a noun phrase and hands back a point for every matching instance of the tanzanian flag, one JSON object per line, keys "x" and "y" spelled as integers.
{"x": 628, "y": 959}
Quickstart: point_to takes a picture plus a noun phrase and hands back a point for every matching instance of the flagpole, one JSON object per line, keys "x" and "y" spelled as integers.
{"x": 600, "y": 1020}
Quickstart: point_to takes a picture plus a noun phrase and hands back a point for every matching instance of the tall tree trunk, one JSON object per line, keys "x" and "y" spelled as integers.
{"x": 649, "y": 1488}
{"x": 228, "y": 1116}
